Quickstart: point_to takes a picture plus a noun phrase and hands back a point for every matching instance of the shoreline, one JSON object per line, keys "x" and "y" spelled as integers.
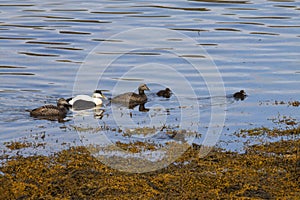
{"x": 268, "y": 171}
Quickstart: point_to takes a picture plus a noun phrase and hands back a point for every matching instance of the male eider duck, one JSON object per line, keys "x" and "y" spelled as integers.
{"x": 52, "y": 111}
{"x": 81, "y": 102}
{"x": 131, "y": 97}
{"x": 241, "y": 95}
{"x": 164, "y": 93}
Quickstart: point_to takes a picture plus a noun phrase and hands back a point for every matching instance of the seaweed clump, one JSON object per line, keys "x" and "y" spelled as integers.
{"x": 266, "y": 171}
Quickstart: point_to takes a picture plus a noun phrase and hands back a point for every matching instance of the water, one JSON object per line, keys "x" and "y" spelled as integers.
{"x": 45, "y": 45}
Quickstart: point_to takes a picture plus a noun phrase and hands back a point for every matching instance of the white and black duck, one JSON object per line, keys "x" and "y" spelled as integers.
{"x": 82, "y": 102}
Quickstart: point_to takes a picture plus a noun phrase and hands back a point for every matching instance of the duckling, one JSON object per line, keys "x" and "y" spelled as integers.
{"x": 82, "y": 102}
{"x": 241, "y": 95}
{"x": 131, "y": 97}
{"x": 164, "y": 93}
{"x": 52, "y": 111}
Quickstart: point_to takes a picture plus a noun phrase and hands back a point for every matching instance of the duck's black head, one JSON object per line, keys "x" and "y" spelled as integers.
{"x": 98, "y": 91}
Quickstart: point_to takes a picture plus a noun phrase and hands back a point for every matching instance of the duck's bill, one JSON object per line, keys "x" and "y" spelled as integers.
{"x": 103, "y": 96}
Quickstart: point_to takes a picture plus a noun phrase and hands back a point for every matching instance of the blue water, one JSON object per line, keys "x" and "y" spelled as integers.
{"x": 203, "y": 50}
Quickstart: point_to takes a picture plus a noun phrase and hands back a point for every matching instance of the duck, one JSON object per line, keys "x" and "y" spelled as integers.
{"x": 82, "y": 102}
{"x": 132, "y": 98}
{"x": 241, "y": 95}
{"x": 60, "y": 110}
{"x": 164, "y": 93}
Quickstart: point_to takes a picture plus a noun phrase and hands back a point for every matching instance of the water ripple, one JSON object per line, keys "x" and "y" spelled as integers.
{"x": 254, "y": 44}
{"x": 50, "y": 43}
{"x": 38, "y": 54}
{"x": 75, "y": 32}
{"x": 16, "y": 74}
{"x": 223, "y": 1}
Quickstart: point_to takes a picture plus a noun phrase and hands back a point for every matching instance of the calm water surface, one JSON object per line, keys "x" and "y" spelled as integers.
{"x": 255, "y": 45}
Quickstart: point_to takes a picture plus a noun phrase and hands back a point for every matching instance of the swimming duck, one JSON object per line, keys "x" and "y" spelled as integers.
{"x": 240, "y": 95}
{"x": 82, "y": 102}
{"x": 164, "y": 93}
{"x": 131, "y": 97}
{"x": 51, "y": 110}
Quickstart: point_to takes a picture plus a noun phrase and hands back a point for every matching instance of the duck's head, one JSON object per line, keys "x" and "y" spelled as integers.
{"x": 143, "y": 87}
{"x": 98, "y": 95}
{"x": 62, "y": 102}
{"x": 243, "y": 92}
{"x": 167, "y": 90}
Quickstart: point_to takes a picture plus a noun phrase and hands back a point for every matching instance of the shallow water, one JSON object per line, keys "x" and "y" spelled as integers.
{"x": 54, "y": 49}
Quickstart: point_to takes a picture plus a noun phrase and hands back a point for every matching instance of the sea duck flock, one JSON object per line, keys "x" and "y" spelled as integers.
{"x": 83, "y": 102}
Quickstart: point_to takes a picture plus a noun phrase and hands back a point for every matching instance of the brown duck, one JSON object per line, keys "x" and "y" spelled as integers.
{"x": 51, "y": 110}
{"x": 131, "y": 97}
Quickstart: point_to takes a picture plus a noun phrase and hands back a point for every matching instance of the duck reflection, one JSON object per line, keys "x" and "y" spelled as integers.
{"x": 141, "y": 106}
{"x": 60, "y": 119}
{"x": 97, "y": 112}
